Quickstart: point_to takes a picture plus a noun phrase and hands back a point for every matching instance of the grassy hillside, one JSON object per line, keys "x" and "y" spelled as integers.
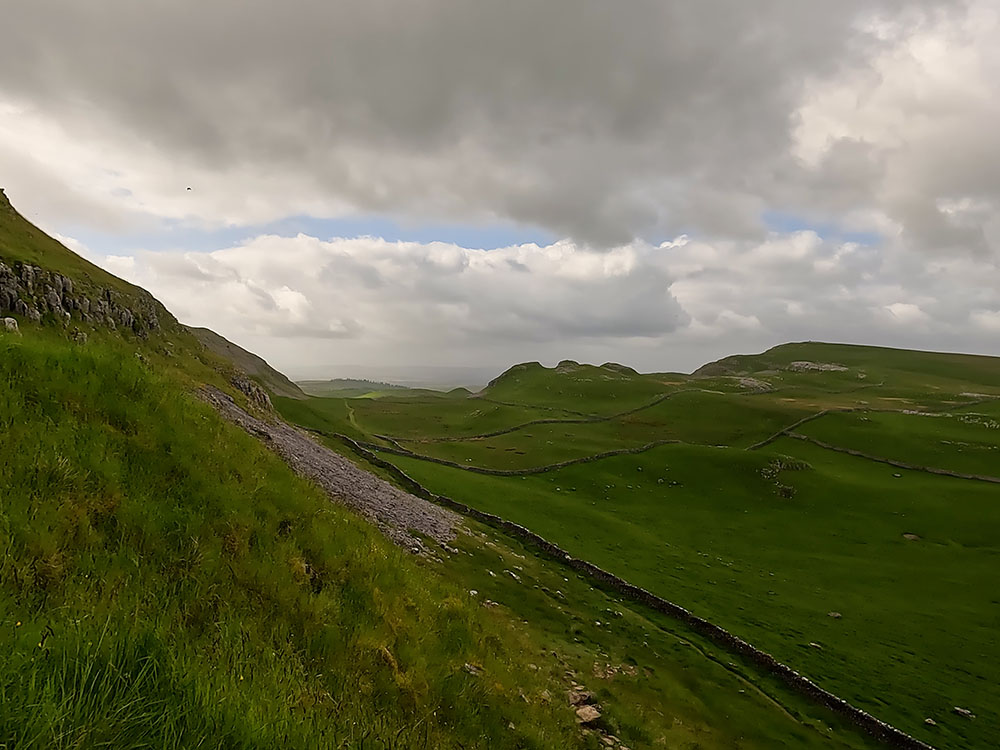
{"x": 249, "y": 362}
{"x": 763, "y": 536}
{"x": 22, "y": 242}
{"x": 166, "y": 581}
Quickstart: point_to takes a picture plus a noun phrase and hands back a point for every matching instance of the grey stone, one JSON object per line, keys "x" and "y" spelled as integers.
{"x": 28, "y": 277}
{"x": 53, "y": 300}
{"x": 404, "y": 518}
{"x": 10, "y": 325}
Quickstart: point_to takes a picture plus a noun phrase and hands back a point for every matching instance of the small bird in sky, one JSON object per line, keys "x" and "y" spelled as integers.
{"x": 189, "y": 188}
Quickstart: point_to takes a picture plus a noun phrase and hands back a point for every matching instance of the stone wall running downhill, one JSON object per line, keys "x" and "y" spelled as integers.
{"x": 860, "y": 718}
{"x": 398, "y": 450}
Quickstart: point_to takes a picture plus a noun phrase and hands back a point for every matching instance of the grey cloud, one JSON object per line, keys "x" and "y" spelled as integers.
{"x": 599, "y": 121}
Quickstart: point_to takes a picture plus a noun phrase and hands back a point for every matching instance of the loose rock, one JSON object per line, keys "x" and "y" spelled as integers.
{"x": 403, "y": 517}
{"x": 587, "y": 714}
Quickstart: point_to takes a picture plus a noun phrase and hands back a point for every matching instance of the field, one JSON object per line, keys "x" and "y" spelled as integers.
{"x": 762, "y": 532}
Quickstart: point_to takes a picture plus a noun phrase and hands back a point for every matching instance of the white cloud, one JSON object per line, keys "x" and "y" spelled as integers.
{"x": 906, "y": 313}
{"x": 304, "y": 302}
{"x": 988, "y": 320}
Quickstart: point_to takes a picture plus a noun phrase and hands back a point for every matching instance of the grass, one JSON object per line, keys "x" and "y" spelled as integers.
{"x": 166, "y": 581}
{"x": 768, "y": 542}
{"x": 962, "y": 442}
{"x": 717, "y": 535}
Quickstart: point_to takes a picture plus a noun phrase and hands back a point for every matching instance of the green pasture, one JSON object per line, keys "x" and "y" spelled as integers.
{"x": 711, "y": 529}
{"x": 963, "y": 442}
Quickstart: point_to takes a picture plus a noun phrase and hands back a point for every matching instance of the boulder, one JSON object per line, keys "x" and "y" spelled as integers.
{"x": 10, "y": 325}
{"x": 587, "y": 714}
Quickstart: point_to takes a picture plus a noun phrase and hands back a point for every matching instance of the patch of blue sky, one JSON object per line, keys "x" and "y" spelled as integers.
{"x": 182, "y": 237}
{"x": 784, "y": 222}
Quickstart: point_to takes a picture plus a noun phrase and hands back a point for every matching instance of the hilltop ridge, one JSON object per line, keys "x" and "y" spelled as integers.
{"x": 276, "y": 382}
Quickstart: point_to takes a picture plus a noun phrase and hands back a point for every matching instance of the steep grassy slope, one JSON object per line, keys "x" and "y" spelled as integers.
{"x": 166, "y": 581}
{"x": 249, "y": 362}
{"x": 22, "y": 242}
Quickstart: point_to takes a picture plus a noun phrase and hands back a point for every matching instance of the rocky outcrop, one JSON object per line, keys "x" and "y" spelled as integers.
{"x": 36, "y": 294}
{"x": 257, "y": 395}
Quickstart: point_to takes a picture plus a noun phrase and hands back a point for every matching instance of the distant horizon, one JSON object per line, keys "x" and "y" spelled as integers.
{"x": 439, "y": 377}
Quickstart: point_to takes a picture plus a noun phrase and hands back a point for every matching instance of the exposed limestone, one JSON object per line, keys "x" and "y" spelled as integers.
{"x": 257, "y": 395}
{"x": 10, "y": 325}
{"x": 754, "y": 385}
{"x": 803, "y": 366}
{"x": 37, "y": 294}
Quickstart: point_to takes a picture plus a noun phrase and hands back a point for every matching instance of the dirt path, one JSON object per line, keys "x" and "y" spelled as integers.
{"x": 403, "y": 517}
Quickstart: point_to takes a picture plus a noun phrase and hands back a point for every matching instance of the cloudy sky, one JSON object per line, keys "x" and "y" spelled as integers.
{"x": 431, "y": 182}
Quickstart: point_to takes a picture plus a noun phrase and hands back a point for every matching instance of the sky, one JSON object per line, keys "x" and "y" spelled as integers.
{"x": 430, "y": 183}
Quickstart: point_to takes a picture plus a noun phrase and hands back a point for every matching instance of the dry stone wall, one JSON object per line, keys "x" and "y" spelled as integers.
{"x": 804, "y": 686}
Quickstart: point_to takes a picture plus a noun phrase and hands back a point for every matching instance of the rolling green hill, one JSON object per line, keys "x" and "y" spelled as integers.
{"x": 836, "y": 505}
